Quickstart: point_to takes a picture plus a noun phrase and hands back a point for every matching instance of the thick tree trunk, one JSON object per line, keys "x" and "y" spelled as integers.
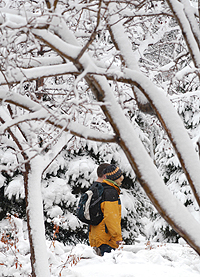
{"x": 35, "y": 222}
{"x": 174, "y": 212}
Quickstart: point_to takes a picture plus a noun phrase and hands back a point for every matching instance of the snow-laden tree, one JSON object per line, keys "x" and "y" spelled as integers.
{"x": 100, "y": 50}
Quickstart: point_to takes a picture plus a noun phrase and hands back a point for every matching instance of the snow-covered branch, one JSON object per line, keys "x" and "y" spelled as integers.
{"x": 41, "y": 113}
{"x": 189, "y": 12}
{"x": 172, "y": 124}
{"x": 19, "y": 75}
{"x": 155, "y": 96}
{"x": 179, "y": 11}
{"x": 119, "y": 37}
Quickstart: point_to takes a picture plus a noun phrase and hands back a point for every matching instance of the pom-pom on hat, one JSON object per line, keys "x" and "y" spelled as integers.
{"x": 112, "y": 172}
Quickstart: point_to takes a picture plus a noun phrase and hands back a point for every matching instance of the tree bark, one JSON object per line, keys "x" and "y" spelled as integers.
{"x": 32, "y": 250}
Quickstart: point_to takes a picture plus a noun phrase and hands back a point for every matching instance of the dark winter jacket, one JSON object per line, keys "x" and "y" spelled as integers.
{"x": 109, "y": 229}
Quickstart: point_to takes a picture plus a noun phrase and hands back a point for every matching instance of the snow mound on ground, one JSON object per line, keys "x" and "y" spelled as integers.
{"x": 141, "y": 259}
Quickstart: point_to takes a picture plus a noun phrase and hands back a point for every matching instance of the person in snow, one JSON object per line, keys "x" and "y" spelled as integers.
{"x": 107, "y": 234}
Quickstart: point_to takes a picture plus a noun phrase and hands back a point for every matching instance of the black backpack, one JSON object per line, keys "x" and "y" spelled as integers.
{"x": 89, "y": 206}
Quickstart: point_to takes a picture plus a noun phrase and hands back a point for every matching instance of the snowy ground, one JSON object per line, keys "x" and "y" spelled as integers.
{"x": 168, "y": 260}
{"x": 141, "y": 259}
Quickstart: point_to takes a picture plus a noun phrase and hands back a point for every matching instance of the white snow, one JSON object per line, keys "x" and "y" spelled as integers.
{"x": 16, "y": 188}
{"x": 143, "y": 259}
{"x": 137, "y": 261}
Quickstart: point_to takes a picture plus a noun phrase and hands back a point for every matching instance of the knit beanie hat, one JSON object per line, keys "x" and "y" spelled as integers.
{"x": 112, "y": 172}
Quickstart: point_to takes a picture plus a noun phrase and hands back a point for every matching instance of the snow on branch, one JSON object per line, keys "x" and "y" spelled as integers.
{"x": 19, "y": 75}
{"x": 67, "y": 50}
{"x": 179, "y": 11}
{"x": 40, "y": 113}
{"x": 39, "y": 61}
{"x": 123, "y": 44}
{"x": 156, "y": 97}
{"x": 19, "y": 100}
{"x": 170, "y": 121}
{"x": 162, "y": 106}
{"x": 189, "y": 12}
